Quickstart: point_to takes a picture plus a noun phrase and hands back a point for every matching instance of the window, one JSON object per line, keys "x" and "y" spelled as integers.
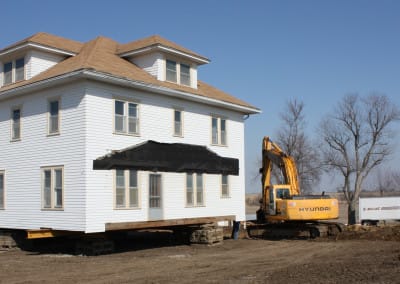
{"x": 126, "y": 117}
{"x": 53, "y": 187}
{"x": 185, "y": 74}
{"x": 218, "y": 131}
{"x": 171, "y": 71}
{"x": 19, "y": 69}
{"x": 224, "y": 186}
{"x": 54, "y": 117}
{"x": 2, "y": 190}
{"x": 178, "y": 123}
{"x": 7, "y": 69}
{"x": 14, "y": 71}
{"x": 155, "y": 191}
{"x": 16, "y": 124}
{"x": 194, "y": 190}
{"x": 126, "y": 189}
{"x": 174, "y": 68}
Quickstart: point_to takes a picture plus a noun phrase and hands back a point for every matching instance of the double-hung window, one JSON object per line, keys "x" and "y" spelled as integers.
{"x": 16, "y": 124}
{"x": 2, "y": 190}
{"x": 218, "y": 131}
{"x": 19, "y": 69}
{"x": 7, "y": 73}
{"x": 53, "y": 187}
{"x": 178, "y": 123}
{"x": 177, "y": 72}
{"x": 224, "y": 186}
{"x": 194, "y": 189}
{"x": 171, "y": 71}
{"x": 126, "y": 117}
{"x": 126, "y": 189}
{"x": 185, "y": 74}
{"x": 54, "y": 117}
{"x": 14, "y": 71}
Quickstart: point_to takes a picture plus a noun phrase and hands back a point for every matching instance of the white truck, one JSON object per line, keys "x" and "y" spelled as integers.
{"x": 375, "y": 209}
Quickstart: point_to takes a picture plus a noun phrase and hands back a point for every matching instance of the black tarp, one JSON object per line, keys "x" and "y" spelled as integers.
{"x": 165, "y": 157}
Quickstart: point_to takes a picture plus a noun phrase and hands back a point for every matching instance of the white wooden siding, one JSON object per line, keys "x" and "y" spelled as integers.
{"x": 150, "y": 63}
{"x": 86, "y": 133}
{"x": 156, "y": 122}
{"x": 37, "y": 61}
{"x": 23, "y": 160}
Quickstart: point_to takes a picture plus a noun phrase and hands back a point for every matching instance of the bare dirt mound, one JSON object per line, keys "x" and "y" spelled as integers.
{"x": 372, "y": 233}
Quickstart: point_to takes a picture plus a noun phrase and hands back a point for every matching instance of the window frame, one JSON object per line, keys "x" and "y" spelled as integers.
{"x": 126, "y": 118}
{"x": 178, "y": 72}
{"x": 53, "y": 190}
{"x": 3, "y": 190}
{"x": 16, "y": 68}
{"x": 221, "y": 135}
{"x": 49, "y": 116}
{"x": 127, "y": 190}
{"x": 13, "y": 71}
{"x": 10, "y": 73}
{"x": 228, "y": 192}
{"x": 14, "y": 138}
{"x": 176, "y": 134}
{"x": 194, "y": 190}
{"x": 170, "y": 71}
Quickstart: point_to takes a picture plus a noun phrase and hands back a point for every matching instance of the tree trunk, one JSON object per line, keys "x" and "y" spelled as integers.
{"x": 351, "y": 214}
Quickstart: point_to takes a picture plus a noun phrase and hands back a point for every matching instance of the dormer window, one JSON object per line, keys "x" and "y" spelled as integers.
{"x": 171, "y": 71}
{"x": 174, "y": 68}
{"x": 19, "y": 69}
{"x": 14, "y": 71}
{"x": 7, "y": 69}
{"x": 185, "y": 74}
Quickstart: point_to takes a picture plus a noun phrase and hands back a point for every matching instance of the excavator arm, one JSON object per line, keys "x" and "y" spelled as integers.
{"x": 272, "y": 154}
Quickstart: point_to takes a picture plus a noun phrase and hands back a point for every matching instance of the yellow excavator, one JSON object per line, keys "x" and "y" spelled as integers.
{"x": 283, "y": 203}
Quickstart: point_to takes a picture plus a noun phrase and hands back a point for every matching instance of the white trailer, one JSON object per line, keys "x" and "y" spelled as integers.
{"x": 375, "y": 209}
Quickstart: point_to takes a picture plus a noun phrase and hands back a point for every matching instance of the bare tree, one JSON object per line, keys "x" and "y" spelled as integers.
{"x": 292, "y": 139}
{"x": 387, "y": 181}
{"x": 358, "y": 138}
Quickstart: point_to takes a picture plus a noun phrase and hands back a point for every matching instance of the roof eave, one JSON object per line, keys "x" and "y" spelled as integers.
{"x": 99, "y": 76}
{"x": 37, "y": 46}
{"x": 159, "y": 47}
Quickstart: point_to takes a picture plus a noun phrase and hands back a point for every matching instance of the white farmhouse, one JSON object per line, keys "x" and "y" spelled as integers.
{"x": 102, "y": 136}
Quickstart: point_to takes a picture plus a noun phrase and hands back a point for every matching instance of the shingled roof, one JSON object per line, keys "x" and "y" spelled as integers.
{"x": 49, "y": 40}
{"x": 101, "y": 55}
{"x": 152, "y": 41}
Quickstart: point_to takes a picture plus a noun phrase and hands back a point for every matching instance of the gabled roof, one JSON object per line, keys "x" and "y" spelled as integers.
{"x": 153, "y": 42}
{"x": 47, "y": 40}
{"x": 101, "y": 56}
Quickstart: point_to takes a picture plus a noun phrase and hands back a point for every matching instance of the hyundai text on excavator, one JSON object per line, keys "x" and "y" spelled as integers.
{"x": 284, "y": 212}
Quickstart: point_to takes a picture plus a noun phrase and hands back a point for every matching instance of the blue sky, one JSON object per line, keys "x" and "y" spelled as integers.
{"x": 264, "y": 52}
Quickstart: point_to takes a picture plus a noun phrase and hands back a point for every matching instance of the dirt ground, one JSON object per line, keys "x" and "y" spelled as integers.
{"x": 357, "y": 256}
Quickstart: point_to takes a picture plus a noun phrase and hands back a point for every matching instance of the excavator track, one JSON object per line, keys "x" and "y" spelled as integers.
{"x": 293, "y": 230}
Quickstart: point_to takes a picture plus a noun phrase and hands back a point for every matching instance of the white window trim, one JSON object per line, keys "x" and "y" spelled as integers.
{"x": 219, "y": 118}
{"x": 127, "y": 191}
{"x": 3, "y": 206}
{"x": 13, "y": 71}
{"x": 178, "y": 71}
{"x": 49, "y": 101}
{"x": 126, "y": 110}
{"x": 194, "y": 186}
{"x": 173, "y": 121}
{"x": 13, "y": 139}
{"x": 228, "y": 188}
{"x": 52, "y": 169}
